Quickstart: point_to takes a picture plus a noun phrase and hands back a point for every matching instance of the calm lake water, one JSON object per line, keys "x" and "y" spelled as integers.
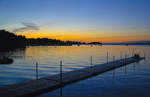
{"x": 129, "y": 81}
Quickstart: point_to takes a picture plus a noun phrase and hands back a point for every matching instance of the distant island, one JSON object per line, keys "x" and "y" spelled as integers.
{"x": 10, "y": 41}
{"x": 129, "y": 43}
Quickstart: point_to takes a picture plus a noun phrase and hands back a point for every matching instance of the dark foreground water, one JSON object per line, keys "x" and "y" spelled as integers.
{"x": 129, "y": 81}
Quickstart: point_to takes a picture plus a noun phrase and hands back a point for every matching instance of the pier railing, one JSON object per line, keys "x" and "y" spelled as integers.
{"x": 44, "y": 84}
{"x": 106, "y": 60}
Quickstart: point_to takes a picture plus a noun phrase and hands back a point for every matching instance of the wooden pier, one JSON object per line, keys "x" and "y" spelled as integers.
{"x": 45, "y": 84}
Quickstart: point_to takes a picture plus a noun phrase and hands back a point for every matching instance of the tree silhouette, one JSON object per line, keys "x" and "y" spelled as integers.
{"x": 10, "y": 41}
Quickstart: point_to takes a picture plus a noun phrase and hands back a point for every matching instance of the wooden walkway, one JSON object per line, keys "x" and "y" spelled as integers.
{"x": 43, "y": 85}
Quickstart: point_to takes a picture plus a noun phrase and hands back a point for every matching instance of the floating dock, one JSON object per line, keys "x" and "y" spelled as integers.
{"x": 45, "y": 84}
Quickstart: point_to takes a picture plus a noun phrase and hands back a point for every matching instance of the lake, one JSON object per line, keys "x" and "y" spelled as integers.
{"x": 128, "y": 81}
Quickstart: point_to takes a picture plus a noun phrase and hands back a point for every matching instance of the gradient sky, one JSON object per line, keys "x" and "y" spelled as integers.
{"x": 79, "y": 20}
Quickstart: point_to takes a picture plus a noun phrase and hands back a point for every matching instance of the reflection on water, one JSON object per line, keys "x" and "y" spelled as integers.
{"x": 128, "y": 81}
{"x": 49, "y": 57}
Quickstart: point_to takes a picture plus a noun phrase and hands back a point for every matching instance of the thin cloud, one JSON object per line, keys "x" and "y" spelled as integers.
{"x": 27, "y": 26}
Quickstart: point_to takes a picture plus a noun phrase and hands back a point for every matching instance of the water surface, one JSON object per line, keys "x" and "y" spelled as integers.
{"x": 129, "y": 81}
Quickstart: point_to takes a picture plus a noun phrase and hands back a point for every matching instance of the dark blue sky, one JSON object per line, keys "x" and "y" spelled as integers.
{"x": 106, "y": 18}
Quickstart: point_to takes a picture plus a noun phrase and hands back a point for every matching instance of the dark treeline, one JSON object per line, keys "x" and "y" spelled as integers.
{"x": 10, "y": 41}
{"x": 44, "y": 41}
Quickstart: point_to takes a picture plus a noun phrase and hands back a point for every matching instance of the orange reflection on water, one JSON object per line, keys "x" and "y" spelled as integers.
{"x": 75, "y": 54}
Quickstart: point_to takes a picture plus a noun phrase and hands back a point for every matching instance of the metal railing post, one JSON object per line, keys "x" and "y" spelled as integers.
{"x": 120, "y": 55}
{"x": 61, "y": 78}
{"x": 125, "y": 58}
{"x": 91, "y": 63}
{"x": 107, "y": 57}
{"x": 61, "y": 72}
{"x": 36, "y": 70}
{"x": 144, "y": 55}
{"x": 133, "y": 52}
{"x": 114, "y": 59}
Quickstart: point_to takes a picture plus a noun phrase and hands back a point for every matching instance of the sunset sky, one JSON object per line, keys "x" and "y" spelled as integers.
{"x": 78, "y": 20}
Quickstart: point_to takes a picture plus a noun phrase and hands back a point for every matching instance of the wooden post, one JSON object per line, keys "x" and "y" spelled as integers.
{"x": 36, "y": 70}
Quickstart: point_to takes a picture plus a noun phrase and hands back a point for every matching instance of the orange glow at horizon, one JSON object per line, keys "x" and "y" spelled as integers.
{"x": 87, "y": 37}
